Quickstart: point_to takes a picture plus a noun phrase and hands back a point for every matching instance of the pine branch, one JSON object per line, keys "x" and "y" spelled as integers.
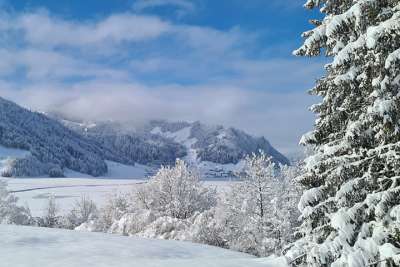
{"x": 298, "y": 258}
{"x": 376, "y": 262}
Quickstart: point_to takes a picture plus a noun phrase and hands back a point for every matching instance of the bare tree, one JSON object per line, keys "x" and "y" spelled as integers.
{"x": 50, "y": 218}
{"x": 83, "y": 211}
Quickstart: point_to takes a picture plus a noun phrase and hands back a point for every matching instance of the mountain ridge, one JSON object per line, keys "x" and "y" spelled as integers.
{"x": 216, "y": 150}
{"x": 54, "y": 144}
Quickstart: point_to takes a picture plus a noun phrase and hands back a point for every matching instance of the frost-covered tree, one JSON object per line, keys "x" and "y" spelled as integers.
{"x": 83, "y": 211}
{"x": 165, "y": 207}
{"x": 116, "y": 207}
{"x": 10, "y": 212}
{"x": 51, "y": 218}
{"x": 258, "y": 208}
{"x": 175, "y": 205}
{"x": 287, "y": 196}
{"x": 209, "y": 227}
{"x": 351, "y": 208}
{"x": 29, "y": 166}
{"x": 176, "y": 192}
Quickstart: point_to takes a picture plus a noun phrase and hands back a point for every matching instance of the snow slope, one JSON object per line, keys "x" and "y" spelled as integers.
{"x": 116, "y": 170}
{"x": 207, "y": 169}
{"x": 121, "y": 171}
{"x": 43, "y": 247}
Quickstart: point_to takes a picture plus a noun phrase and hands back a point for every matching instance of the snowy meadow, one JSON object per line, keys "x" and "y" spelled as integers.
{"x": 173, "y": 204}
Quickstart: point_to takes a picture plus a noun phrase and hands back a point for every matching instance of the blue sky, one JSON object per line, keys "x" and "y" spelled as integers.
{"x": 222, "y": 62}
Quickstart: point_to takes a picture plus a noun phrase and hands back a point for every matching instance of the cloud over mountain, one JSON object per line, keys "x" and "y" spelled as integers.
{"x": 133, "y": 66}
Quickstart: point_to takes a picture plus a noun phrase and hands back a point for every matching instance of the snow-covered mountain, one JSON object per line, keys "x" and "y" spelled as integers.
{"x": 217, "y": 151}
{"x": 31, "y": 144}
{"x": 132, "y": 145}
{"x": 36, "y": 144}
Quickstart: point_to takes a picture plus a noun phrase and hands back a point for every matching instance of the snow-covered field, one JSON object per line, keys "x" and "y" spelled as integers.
{"x": 34, "y": 192}
{"x": 43, "y": 247}
{"x": 115, "y": 171}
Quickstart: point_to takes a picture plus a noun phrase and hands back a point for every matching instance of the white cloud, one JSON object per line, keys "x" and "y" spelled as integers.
{"x": 40, "y": 28}
{"x": 210, "y": 40}
{"x": 44, "y": 65}
{"x": 281, "y": 117}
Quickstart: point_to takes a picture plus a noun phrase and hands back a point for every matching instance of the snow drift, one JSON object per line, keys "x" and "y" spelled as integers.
{"x": 44, "y": 247}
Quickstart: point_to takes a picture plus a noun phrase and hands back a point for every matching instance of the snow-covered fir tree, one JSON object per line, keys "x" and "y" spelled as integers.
{"x": 351, "y": 208}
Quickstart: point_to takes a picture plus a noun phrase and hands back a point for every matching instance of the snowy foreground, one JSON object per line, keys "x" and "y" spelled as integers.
{"x": 42, "y": 247}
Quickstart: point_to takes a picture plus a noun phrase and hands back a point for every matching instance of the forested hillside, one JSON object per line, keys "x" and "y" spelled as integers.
{"x": 216, "y": 150}
{"x": 52, "y": 146}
